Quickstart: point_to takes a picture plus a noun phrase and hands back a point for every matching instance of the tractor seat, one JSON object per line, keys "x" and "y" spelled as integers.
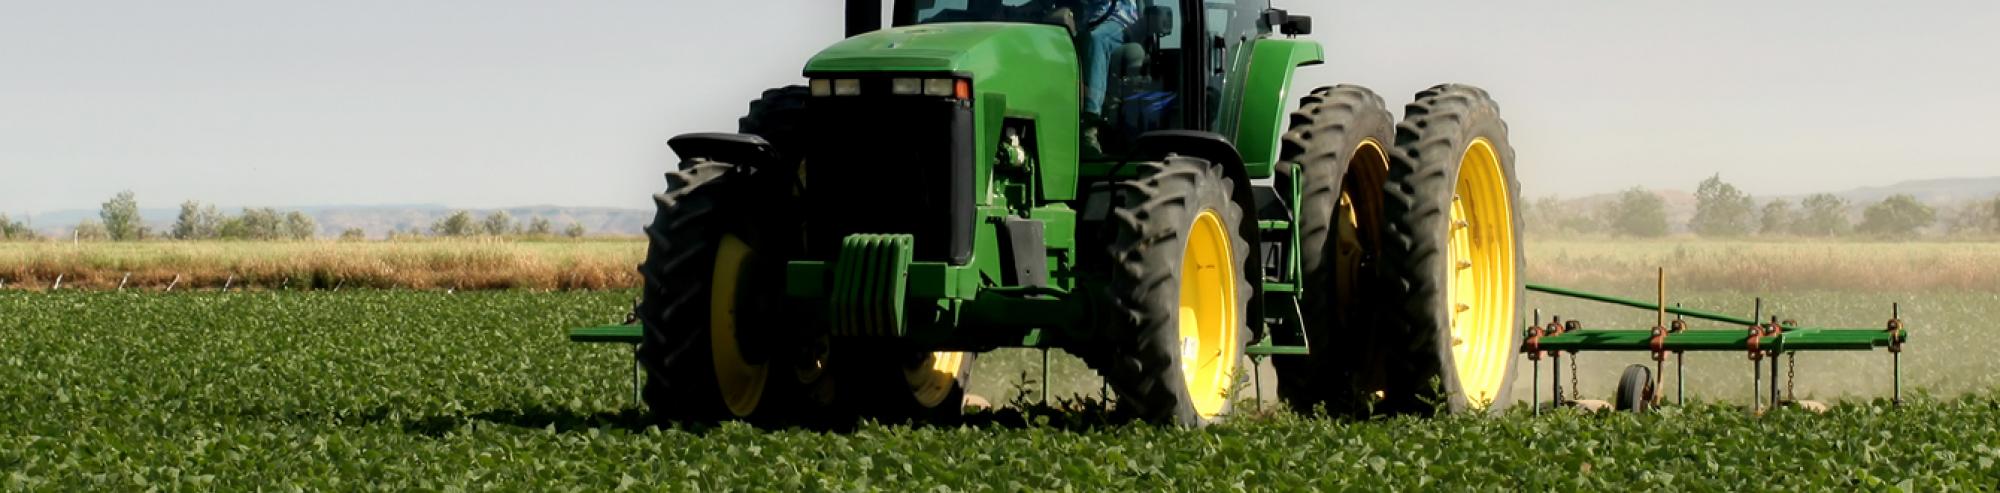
{"x": 1143, "y": 41}
{"x": 1129, "y": 61}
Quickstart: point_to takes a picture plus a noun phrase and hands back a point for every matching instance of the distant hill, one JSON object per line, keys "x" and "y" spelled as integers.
{"x": 1938, "y": 191}
{"x": 378, "y": 220}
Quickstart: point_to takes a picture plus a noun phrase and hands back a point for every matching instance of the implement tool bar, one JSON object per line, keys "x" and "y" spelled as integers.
{"x": 1571, "y": 293}
{"x": 1717, "y": 340}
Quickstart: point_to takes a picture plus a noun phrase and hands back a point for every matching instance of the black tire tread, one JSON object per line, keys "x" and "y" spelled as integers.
{"x": 692, "y": 215}
{"x": 1329, "y": 124}
{"x": 1632, "y": 389}
{"x": 1149, "y": 229}
{"x": 1416, "y": 202}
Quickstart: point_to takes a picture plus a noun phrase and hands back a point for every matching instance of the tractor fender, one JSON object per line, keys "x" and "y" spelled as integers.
{"x": 1156, "y": 145}
{"x": 738, "y": 149}
{"x": 1264, "y": 105}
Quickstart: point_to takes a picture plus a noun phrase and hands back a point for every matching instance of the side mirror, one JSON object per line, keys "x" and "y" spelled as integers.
{"x": 1296, "y": 25}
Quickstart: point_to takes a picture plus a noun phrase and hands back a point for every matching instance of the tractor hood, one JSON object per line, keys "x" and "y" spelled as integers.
{"x": 952, "y": 47}
{"x": 1021, "y": 72}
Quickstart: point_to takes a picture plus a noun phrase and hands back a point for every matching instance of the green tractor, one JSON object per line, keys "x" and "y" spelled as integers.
{"x": 1131, "y": 187}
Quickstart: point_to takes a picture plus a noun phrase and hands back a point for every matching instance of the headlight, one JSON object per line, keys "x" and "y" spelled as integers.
{"x": 906, "y": 87}
{"x": 939, "y": 87}
{"x": 847, "y": 87}
{"x": 822, "y": 87}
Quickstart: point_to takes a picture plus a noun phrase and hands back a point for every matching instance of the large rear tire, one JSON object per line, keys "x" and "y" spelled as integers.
{"x": 1451, "y": 254}
{"x": 1336, "y": 154}
{"x": 779, "y": 117}
{"x": 714, "y": 266}
{"x": 1180, "y": 294}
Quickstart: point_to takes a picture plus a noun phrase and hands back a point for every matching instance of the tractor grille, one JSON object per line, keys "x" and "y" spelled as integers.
{"x": 890, "y": 165}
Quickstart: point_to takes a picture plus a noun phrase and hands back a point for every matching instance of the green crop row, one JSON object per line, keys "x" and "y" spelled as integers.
{"x": 403, "y": 391}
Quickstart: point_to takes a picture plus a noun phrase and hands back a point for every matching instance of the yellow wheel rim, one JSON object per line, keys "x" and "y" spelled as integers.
{"x": 1482, "y": 278}
{"x": 741, "y": 383}
{"x": 932, "y": 381}
{"x": 1208, "y": 319}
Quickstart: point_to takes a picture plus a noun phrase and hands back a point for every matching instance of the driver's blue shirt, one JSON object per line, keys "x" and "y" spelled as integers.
{"x": 1122, "y": 12}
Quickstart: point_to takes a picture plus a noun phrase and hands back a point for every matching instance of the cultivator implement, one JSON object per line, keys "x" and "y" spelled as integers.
{"x": 1759, "y": 338}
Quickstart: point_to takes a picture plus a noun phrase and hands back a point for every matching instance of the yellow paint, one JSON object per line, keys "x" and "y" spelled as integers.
{"x": 1207, "y": 315}
{"x": 931, "y": 382}
{"x": 1481, "y": 272}
{"x": 741, "y": 383}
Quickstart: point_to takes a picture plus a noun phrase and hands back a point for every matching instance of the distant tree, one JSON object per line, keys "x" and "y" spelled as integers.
{"x": 497, "y": 224}
{"x": 1900, "y": 215}
{"x": 1639, "y": 213}
{"x": 459, "y": 223}
{"x": 1538, "y": 215}
{"x": 575, "y": 230}
{"x": 1721, "y": 210}
{"x": 11, "y": 229}
{"x": 1963, "y": 219}
{"x": 540, "y": 226}
{"x": 354, "y": 234}
{"x": 232, "y": 228}
{"x": 1553, "y": 215}
{"x": 1777, "y": 217}
{"x": 1993, "y": 215}
{"x": 121, "y": 217}
{"x": 1822, "y": 214}
{"x": 1578, "y": 218}
{"x": 299, "y": 226}
{"x": 197, "y": 222}
{"x": 91, "y": 230}
{"x": 263, "y": 223}
{"x": 187, "y": 222}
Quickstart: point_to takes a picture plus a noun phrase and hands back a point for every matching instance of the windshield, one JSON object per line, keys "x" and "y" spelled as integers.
{"x": 982, "y": 11}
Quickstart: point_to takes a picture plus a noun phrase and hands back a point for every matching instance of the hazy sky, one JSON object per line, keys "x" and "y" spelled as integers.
{"x": 507, "y": 102}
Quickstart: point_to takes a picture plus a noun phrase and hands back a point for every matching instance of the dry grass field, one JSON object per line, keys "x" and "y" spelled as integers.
{"x": 1697, "y": 265}
{"x": 428, "y": 264}
{"x": 1769, "y": 265}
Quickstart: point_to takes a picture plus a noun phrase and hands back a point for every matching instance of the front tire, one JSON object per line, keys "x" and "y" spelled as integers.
{"x": 712, "y": 266}
{"x": 900, "y": 385}
{"x": 1179, "y": 292}
{"x": 1452, "y": 255}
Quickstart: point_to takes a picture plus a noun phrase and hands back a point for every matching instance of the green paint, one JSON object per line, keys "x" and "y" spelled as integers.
{"x": 1603, "y": 298}
{"x": 1260, "y": 112}
{"x": 1812, "y": 339}
{"x": 1273, "y": 350}
{"x": 870, "y": 284}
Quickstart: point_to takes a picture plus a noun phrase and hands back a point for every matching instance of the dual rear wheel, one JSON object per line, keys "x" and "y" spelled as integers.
{"x": 1409, "y": 252}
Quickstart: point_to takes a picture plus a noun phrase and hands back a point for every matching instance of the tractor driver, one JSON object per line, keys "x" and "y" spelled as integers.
{"x": 1102, "y": 31}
